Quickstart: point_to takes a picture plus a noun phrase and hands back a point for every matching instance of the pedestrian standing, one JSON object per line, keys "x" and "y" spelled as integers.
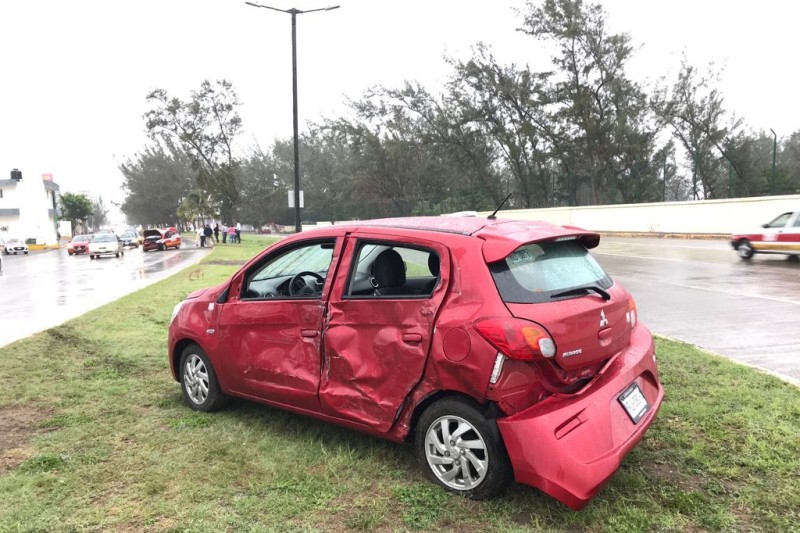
{"x": 232, "y": 234}
{"x": 216, "y": 232}
{"x": 201, "y": 237}
{"x": 224, "y": 230}
{"x": 238, "y": 232}
{"x": 209, "y": 233}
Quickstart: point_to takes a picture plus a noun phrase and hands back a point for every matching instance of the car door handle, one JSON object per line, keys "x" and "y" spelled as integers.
{"x": 309, "y": 333}
{"x": 412, "y": 337}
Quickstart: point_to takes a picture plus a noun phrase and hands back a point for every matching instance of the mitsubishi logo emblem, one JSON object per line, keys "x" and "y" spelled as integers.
{"x": 603, "y": 319}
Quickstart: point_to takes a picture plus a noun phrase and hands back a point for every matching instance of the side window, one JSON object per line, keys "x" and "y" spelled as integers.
{"x": 389, "y": 270}
{"x": 296, "y": 273}
{"x": 779, "y": 222}
{"x": 797, "y": 222}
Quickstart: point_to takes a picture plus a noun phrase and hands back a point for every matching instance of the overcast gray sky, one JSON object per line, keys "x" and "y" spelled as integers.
{"x": 75, "y": 73}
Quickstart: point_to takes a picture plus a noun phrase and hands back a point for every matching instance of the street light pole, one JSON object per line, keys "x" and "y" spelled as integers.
{"x": 774, "y": 153}
{"x": 294, "y": 12}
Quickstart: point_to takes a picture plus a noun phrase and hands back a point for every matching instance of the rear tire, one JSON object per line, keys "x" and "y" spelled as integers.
{"x": 745, "y": 250}
{"x": 461, "y": 450}
{"x": 199, "y": 383}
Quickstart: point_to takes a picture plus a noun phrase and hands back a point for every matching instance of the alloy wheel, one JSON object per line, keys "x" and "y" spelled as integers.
{"x": 195, "y": 379}
{"x": 456, "y": 453}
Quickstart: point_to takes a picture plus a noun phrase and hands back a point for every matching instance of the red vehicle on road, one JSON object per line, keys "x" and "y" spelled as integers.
{"x": 780, "y": 236}
{"x": 501, "y": 348}
{"x": 79, "y": 244}
{"x": 161, "y": 239}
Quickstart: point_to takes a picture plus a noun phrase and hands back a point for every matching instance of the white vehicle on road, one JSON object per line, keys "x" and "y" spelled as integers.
{"x": 15, "y": 246}
{"x": 105, "y": 244}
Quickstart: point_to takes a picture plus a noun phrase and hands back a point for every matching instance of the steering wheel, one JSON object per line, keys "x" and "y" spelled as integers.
{"x": 298, "y": 286}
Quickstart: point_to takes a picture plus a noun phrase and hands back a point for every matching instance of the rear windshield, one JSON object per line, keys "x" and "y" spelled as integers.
{"x": 535, "y": 272}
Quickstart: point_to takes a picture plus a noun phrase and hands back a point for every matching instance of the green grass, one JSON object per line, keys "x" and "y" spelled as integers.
{"x": 94, "y": 436}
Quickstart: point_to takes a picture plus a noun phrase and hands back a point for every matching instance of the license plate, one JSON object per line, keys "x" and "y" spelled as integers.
{"x": 634, "y": 403}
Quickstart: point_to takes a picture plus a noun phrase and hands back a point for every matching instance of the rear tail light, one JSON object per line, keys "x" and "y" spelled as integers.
{"x": 516, "y": 338}
{"x": 630, "y": 316}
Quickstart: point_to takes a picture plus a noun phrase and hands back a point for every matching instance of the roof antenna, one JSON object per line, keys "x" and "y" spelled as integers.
{"x": 492, "y": 216}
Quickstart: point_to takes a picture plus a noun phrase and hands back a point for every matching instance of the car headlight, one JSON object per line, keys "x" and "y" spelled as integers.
{"x": 176, "y": 309}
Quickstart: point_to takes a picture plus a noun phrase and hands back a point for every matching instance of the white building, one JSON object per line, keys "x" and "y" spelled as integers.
{"x": 28, "y": 209}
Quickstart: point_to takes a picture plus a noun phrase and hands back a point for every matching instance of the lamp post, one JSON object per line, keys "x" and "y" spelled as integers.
{"x": 294, "y": 12}
{"x": 774, "y": 153}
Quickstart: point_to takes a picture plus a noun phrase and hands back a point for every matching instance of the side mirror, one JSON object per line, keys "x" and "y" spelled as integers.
{"x": 765, "y": 225}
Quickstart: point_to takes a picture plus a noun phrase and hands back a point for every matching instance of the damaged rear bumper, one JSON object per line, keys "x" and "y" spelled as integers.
{"x": 568, "y": 446}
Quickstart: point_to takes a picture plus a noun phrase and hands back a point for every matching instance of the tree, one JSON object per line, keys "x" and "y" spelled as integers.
{"x": 75, "y": 207}
{"x": 694, "y": 109}
{"x": 789, "y": 165}
{"x": 157, "y": 181}
{"x": 602, "y": 133}
{"x": 205, "y": 127}
{"x": 99, "y": 213}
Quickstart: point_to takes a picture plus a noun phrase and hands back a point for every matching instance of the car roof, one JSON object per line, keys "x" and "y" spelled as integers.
{"x": 501, "y": 236}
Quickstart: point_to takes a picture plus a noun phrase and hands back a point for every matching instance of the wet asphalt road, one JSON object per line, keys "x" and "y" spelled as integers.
{"x": 700, "y": 292}
{"x": 695, "y": 291}
{"x": 45, "y": 288}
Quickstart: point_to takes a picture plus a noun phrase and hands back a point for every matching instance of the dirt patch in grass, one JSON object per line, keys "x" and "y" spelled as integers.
{"x": 224, "y": 262}
{"x": 18, "y": 425}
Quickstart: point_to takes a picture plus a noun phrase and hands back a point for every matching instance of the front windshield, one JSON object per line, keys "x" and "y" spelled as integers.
{"x": 314, "y": 258}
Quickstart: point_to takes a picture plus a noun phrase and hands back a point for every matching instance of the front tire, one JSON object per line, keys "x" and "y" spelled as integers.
{"x": 199, "y": 383}
{"x": 745, "y": 250}
{"x": 461, "y": 450}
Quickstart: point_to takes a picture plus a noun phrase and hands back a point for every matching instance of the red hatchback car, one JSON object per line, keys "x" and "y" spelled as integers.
{"x": 79, "y": 244}
{"x": 501, "y": 348}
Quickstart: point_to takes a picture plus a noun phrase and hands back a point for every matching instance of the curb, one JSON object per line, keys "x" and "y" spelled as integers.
{"x": 663, "y": 235}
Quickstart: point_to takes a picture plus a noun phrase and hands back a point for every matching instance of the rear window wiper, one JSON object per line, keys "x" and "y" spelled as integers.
{"x": 577, "y": 291}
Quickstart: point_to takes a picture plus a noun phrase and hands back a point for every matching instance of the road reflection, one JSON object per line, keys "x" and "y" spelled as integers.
{"x": 46, "y": 288}
{"x": 702, "y": 293}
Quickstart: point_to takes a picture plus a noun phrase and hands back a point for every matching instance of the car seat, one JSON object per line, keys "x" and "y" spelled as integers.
{"x": 389, "y": 273}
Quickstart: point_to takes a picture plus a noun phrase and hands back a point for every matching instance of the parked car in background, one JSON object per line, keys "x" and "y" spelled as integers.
{"x": 15, "y": 246}
{"x": 500, "y": 347}
{"x": 780, "y": 236}
{"x": 161, "y": 239}
{"x": 105, "y": 244}
{"x": 79, "y": 245}
{"x": 129, "y": 238}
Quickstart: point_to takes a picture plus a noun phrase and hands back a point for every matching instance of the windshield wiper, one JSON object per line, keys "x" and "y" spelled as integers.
{"x": 577, "y": 291}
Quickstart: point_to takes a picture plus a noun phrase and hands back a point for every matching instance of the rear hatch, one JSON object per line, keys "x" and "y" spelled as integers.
{"x": 560, "y": 286}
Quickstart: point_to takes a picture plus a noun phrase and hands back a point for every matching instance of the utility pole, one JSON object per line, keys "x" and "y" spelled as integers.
{"x": 294, "y": 12}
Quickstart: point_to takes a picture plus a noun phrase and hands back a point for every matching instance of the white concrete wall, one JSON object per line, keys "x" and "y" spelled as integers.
{"x": 702, "y": 216}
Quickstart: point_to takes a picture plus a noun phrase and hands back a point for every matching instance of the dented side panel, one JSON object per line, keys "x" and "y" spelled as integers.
{"x": 270, "y": 349}
{"x": 375, "y": 349}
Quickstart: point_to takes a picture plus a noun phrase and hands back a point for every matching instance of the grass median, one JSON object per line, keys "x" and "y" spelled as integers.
{"x": 94, "y": 436}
